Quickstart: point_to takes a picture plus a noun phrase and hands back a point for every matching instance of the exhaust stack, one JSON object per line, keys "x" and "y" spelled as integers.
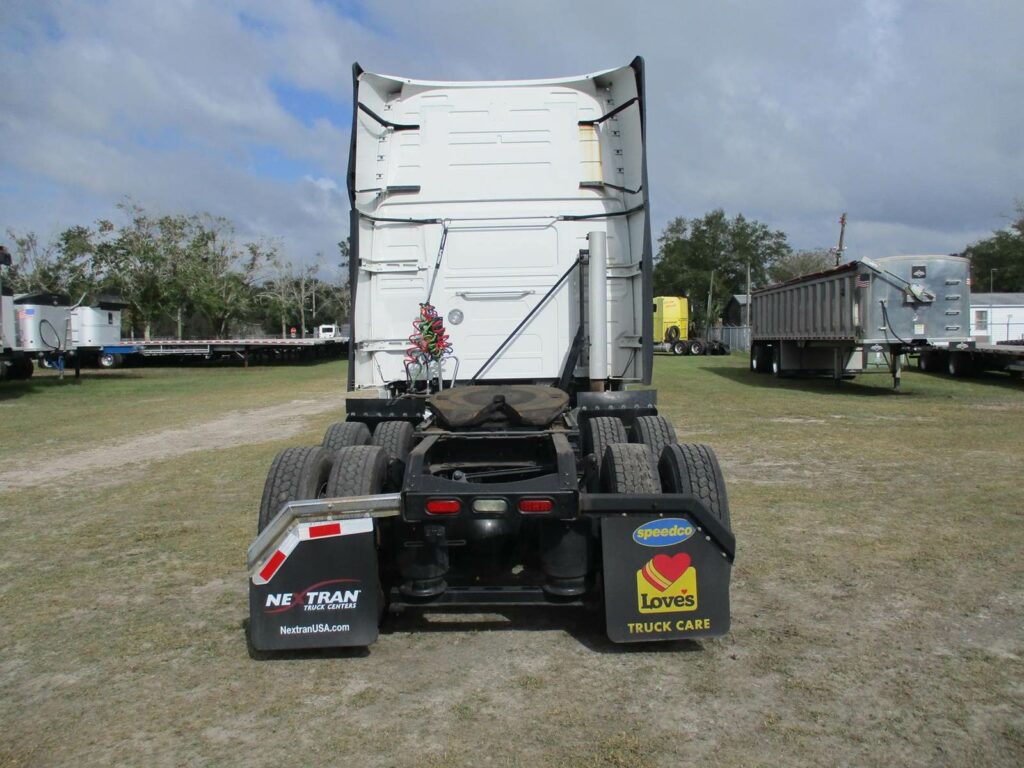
{"x": 598, "y": 304}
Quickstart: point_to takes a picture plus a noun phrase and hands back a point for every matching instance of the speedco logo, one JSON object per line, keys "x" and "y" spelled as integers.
{"x": 663, "y": 533}
{"x": 667, "y": 584}
{"x": 323, "y": 596}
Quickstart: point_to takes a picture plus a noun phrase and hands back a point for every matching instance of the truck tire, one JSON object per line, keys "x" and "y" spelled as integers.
{"x": 696, "y": 347}
{"x": 672, "y": 334}
{"x": 602, "y": 431}
{"x": 346, "y": 433}
{"x": 680, "y": 348}
{"x": 629, "y": 468}
{"x": 295, "y": 474}
{"x": 359, "y": 470}
{"x": 776, "y": 360}
{"x": 693, "y": 468}
{"x": 395, "y": 437}
{"x": 653, "y": 431}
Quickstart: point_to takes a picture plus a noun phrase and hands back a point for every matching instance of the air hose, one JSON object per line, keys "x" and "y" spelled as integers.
{"x": 429, "y": 339}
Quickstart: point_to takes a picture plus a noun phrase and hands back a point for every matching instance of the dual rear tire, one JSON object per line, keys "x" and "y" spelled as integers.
{"x": 350, "y": 462}
{"x": 654, "y": 462}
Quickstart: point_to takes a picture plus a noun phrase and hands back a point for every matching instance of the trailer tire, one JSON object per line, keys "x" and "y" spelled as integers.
{"x": 346, "y": 433}
{"x": 696, "y": 347}
{"x": 672, "y": 334}
{"x": 653, "y": 431}
{"x": 359, "y": 470}
{"x": 395, "y": 437}
{"x": 693, "y": 468}
{"x": 295, "y": 474}
{"x": 958, "y": 364}
{"x": 629, "y": 468}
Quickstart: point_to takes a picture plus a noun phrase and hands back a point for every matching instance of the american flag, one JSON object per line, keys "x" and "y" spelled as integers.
{"x": 863, "y": 280}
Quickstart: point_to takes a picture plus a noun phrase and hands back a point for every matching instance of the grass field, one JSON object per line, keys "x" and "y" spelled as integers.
{"x": 878, "y": 591}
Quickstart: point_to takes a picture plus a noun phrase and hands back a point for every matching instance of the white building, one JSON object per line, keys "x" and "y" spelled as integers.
{"x": 997, "y": 316}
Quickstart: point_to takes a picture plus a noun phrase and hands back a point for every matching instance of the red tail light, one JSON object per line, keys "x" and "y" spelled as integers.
{"x": 533, "y": 506}
{"x": 444, "y": 506}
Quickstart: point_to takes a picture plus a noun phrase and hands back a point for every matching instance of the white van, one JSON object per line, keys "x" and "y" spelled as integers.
{"x": 327, "y": 331}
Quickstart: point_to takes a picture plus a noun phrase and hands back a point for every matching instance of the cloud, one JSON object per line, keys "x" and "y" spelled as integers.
{"x": 906, "y": 115}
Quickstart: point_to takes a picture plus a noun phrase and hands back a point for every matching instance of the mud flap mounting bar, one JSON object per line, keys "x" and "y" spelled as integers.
{"x": 350, "y": 508}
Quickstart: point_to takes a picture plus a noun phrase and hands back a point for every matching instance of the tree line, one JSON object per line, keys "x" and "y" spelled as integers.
{"x": 707, "y": 260}
{"x": 189, "y": 276}
{"x": 183, "y": 276}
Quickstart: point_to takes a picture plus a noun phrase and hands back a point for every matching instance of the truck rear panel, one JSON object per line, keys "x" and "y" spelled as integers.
{"x": 478, "y": 196}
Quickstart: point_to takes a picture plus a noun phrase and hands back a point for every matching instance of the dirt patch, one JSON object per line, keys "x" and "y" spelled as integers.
{"x": 115, "y": 462}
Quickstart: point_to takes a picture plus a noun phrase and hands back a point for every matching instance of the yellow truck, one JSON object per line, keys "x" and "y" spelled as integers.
{"x": 671, "y": 324}
{"x": 671, "y": 319}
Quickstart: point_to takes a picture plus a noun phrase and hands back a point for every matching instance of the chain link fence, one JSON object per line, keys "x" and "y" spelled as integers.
{"x": 736, "y": 336}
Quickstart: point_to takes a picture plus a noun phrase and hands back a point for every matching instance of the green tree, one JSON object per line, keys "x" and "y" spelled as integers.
{"x": 799, "y": 263}
{"x": 62, "y": 266}
{"x": 1003, "y": 253}
{"x": 714, "y": 252}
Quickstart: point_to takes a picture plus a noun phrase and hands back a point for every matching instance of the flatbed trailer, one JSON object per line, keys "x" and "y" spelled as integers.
{"x": 503, "y": 461}
{"x": 246, "y": 350}
{"x": 970, "y": 360}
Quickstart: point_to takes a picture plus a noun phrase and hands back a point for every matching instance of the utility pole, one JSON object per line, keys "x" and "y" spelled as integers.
{"x": 748, "y": 294}
{"x": 842, "y": 235}
{"x": 707, "y": 322}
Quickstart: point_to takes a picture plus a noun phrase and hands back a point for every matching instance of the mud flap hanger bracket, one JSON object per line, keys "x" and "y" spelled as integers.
{"x": 662, "y": 505}
{"x": 349, "y": 508}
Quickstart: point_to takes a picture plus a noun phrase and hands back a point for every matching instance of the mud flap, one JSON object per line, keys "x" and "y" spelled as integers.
{"x": 320, "y": 588}
{"x": 664, "y": 579}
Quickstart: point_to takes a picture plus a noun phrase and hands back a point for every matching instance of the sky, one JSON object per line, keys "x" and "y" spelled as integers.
{"x": 909, "y": 116}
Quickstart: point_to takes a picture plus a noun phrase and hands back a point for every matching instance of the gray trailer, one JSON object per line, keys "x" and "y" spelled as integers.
{"x": 852, "y": 318}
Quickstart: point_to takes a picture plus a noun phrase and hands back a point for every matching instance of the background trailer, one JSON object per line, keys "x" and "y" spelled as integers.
{"x": 836, "y": 322}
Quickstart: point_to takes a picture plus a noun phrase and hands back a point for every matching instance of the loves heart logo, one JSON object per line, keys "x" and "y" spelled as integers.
{"x": 662, "y": 571}
{"x": 667, "y": 584}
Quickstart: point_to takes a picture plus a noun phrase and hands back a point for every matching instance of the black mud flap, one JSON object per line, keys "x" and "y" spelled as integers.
{"x": 320, "y": 588}
{"x": 664, "y": 578}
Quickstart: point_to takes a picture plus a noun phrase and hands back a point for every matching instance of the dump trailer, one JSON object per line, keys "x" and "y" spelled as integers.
{"x": 501, "y": 289}
{"x": 15, "y": 363}
{"x": 849, "y": 319}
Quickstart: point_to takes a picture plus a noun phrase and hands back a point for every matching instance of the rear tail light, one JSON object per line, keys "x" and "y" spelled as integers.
{"x": 535, "y": 506}
{"x": 444, "y": 506}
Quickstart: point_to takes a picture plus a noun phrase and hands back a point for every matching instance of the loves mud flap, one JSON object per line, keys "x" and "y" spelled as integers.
{"x": 663, "y": 580}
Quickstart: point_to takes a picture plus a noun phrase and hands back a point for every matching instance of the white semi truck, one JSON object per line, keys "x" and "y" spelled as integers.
{"x": 501, "y": 289}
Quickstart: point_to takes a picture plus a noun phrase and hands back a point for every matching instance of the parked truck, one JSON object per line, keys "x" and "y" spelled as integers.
{"x": 501, "y": 293}
{"x": 842, "y": 321}
{"x": 671, "y": 329}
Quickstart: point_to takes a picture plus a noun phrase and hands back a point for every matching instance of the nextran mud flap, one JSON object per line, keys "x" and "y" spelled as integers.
{"x": 666, "y": 576}
{"x": 313, "y": 577}
{"x": 316, "y": 586}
